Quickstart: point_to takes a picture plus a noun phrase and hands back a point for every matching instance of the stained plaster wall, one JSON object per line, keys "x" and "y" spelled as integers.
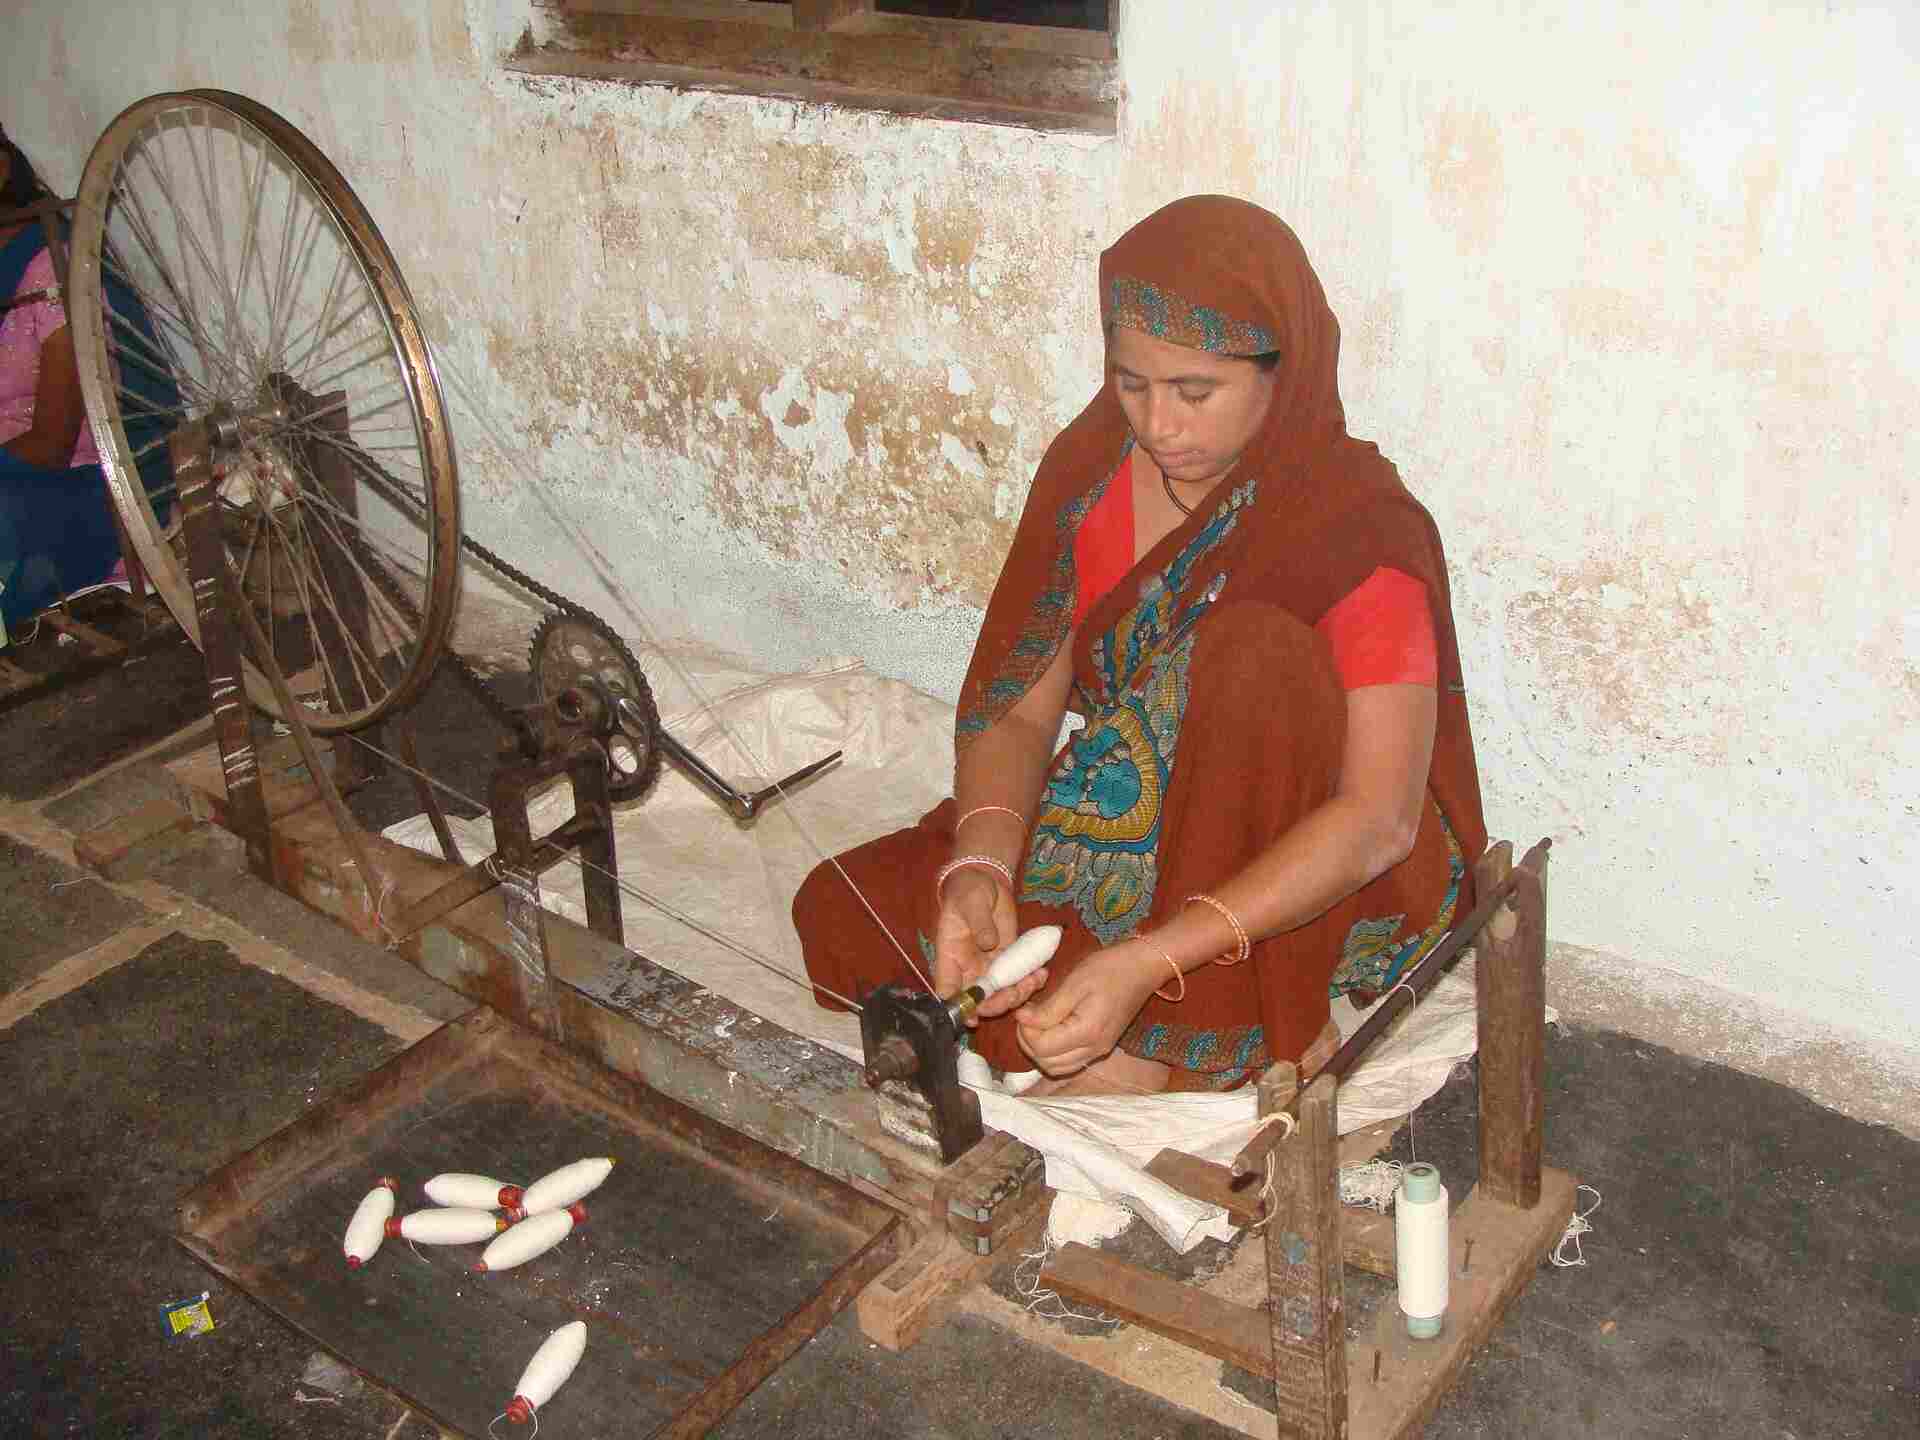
{"x": 1629, "y": 292}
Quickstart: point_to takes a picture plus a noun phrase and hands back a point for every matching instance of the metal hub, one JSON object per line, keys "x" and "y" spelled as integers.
{"x": 572, "y": 652}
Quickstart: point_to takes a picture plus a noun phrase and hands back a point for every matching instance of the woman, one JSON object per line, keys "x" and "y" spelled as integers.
{"x": 57, "y": 531}
{"x": 1274, "y": 795}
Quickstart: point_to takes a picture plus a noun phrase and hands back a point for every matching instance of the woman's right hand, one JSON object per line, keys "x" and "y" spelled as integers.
{"x": 976, "y": 919}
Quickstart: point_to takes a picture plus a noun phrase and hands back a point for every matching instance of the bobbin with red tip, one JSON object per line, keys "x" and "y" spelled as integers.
{"x": 458, "y": 1189}
{"x": 560, "y": 1188}
{"x": 552, "y": 1363}
{"x": 532, "y": 1237}
{"x": 368, "y": 1227}
{"x": 454, "y": 1225}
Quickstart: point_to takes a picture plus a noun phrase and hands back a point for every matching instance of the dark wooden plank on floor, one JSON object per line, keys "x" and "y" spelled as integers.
{"x": 53, "y": 740}
{"x": 48, "y": 911}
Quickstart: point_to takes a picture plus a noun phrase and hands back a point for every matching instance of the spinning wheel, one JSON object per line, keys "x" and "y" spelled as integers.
{"x": 224, "y": 273}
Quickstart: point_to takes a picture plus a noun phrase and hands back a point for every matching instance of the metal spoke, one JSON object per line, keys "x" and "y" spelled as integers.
{"x": 400, "y": 633}
{"x": 141, "y": 224}
{"x": 195, "y": 243}
{"x": 362, "y": 662}
{"x": 217, "y": 235}
{"x": 245, "y": 261}
{"x": 335, "y": 288}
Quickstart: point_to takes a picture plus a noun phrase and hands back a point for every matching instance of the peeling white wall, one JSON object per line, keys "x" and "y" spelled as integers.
{"x": 1629, "y": 292}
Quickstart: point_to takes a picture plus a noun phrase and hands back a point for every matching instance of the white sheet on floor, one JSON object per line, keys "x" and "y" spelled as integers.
{"x": 708, "y": 876}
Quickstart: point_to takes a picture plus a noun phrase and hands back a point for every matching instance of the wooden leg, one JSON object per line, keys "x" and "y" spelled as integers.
{"x": 1510, "y": 981}
{"x": 1305, "y": 1284}
{"x": 220, "y": 647}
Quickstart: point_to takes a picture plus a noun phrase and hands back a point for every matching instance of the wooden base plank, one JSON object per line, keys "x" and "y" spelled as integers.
{"x": 1414, "y": 1374}
{"x": 1186, "y": 1313}
{"x": 919, "y": 1289}
{"x": 104, "y": 844}
{"x": 97, "y": 641}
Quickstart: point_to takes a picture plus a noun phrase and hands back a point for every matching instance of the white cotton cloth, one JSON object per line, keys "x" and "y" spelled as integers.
{"x": 679, "y": 847}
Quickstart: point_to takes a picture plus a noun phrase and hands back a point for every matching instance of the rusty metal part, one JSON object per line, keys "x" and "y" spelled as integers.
{"x": 909, "y": 1039}
{"x": 520, "y": 858}
{"x": 745, "y": 806}
{"x": 1405, "y": 993}
{"x": 575, "y": 645}
{"x": 428, "y": 797}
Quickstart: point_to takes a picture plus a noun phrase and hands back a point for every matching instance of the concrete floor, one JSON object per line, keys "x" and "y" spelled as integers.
{"x": 1755, "y": 1266}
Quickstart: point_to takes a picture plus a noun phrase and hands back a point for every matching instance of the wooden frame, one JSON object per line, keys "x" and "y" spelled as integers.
{"x": 840, "y": 52}
{"x": 254, "y": 1221}
{"x": 1384, "y": 1385}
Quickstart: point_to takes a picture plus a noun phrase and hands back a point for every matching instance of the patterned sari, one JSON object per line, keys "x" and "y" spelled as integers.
{"x": 1214, "y": 718}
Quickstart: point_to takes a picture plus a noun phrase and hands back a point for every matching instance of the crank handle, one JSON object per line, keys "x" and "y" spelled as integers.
{"x": 739, "y": 804}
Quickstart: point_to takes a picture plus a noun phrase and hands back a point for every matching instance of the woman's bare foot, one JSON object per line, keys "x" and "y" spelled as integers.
{"x": 1117, "y": 1074}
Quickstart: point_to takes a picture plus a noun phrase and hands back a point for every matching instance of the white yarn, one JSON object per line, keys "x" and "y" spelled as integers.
{"x": 1026, "y": 1283}
{"x": 1576, "y": 1227}
{"x": 1372, "y": 1184}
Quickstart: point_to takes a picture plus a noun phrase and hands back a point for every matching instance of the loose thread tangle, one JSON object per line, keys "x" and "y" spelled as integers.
{"x": 1577, "y": 1225}
{"x": 1026, "y": 1283}
{"x": 1279, "y": 1117}
{"x": 1372, "y": 1184}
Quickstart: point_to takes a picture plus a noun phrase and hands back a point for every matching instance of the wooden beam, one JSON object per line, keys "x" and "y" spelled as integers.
{"x": 1197, "y": 1319}
{"x": 854, "y": 64}
{"x": 1510, "y": 1001}
{"x": 826, "y": 14}
{"x": 1306, "y": 1287}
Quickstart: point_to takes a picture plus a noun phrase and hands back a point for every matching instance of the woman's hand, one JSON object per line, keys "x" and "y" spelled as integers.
{"x": 976, "y": 919}
{"x": 1082, "y": 1019}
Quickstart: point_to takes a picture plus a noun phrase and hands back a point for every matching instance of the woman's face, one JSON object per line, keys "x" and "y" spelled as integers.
{"x": 1193, "y": 412}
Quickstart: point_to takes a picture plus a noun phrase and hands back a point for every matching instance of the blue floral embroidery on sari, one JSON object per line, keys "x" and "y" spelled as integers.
{"x": 1048, "y": 622}
{"x": 1098, "y": 832}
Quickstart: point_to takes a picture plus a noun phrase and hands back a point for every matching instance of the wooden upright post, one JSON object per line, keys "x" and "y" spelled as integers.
{"x": 1305, "y": 1284}
{"x": 219, "y": 646}
{"x": 1510, "y": 985}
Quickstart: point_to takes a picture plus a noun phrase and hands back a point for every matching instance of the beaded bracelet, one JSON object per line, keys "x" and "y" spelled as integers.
{"x": 1245, "y": 946}
{"x": 961, "y": 861}
{"x": 988, "y": 809}
{"x": 1178, "y": 973}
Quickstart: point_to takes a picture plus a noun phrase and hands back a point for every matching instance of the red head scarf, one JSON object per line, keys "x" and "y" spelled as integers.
{"x": 1225, "y": 276}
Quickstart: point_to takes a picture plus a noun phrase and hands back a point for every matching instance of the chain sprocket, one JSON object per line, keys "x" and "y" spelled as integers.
{"x": 576, "y": 645}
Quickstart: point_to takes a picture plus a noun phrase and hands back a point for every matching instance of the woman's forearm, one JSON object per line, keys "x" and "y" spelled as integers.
{"x": 1004, "y": 767}
{"x": 59, "y": 409}
{"x": 1366, "y": 828}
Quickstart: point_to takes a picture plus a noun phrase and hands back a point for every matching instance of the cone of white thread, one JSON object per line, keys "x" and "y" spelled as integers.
{"x": 1420, "y": 1249}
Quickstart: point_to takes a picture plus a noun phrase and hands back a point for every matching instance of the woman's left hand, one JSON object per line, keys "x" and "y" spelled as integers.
{"x": 1081, "y": 1019}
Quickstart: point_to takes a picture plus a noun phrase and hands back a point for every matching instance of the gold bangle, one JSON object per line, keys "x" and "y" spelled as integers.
{"x": 987, "y": 810}
{"x": 1178, "y": 973}
{"x": 1245, "y": 946}
{"x": 960, "y": 862}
